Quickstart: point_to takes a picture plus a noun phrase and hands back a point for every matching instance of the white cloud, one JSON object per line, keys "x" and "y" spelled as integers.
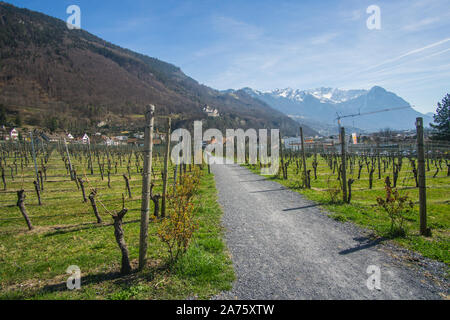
{"x": 419, "y": 25}
{"x": 324, "y": 38}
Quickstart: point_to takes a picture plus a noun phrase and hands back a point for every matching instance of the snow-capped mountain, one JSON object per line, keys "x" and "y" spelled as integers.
{"x": 325, "y": 95}
{"x": 323, "y": 105}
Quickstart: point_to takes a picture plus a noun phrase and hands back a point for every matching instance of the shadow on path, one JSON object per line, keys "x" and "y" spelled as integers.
{"x": 304, "y": 207}
{"x": 364, "y": 243}
{"x": 274, "y": 190}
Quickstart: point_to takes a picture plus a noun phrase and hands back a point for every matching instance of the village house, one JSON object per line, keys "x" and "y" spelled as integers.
{"x": 212, "y": 112}
{"x": 86, "y": 139}
{"x": 295, "y": 143}
{"x": 54, "y": 137}
{"x": 14, "y": 134}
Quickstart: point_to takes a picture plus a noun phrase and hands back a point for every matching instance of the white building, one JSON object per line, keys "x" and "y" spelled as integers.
{"x": 293, "y": 143}
{"x": 86, "y": 139}
{"x": 211, "y": 111}
{"x": 14, "y": 134}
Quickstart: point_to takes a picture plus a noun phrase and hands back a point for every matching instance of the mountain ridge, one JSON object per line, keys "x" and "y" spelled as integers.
{"x": 48, "y": 71}
{"x": 322, "y": 105}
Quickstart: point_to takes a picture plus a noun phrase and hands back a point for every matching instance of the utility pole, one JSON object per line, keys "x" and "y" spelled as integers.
{"x": 146, "y": 181}
{"x": 424, "y": 231}
{"x": 166, "y": 167}
{"x": 344, "y": 162}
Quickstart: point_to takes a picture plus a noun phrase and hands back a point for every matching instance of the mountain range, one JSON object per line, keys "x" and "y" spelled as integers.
{"x": 320, "y": 108}
{"x": 77, "y": 80}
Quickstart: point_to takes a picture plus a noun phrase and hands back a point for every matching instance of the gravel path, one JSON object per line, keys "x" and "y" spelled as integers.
{"x": 285, "y": 247}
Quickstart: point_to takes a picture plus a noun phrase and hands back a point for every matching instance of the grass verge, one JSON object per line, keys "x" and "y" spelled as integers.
{"x": 33, "y": 264}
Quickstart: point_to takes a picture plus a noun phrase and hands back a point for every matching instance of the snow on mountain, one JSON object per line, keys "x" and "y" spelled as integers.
{"x": 324, "y": 95}
{"x": 321, "y": 105}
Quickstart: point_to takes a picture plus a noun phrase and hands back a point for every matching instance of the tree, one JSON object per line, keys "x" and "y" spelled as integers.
{"x": 52, "y": 124}
{"x": 2, "y": 115}
{"x": 441, "y": 124}
{"x": 18, "y": 120}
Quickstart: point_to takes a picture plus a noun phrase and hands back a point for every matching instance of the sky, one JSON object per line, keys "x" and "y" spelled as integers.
{"x": 270, "y": 44}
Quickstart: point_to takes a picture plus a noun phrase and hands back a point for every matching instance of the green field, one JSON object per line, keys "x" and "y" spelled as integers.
{"x": 363, "y": 209}
{"x": 33, "y": 263}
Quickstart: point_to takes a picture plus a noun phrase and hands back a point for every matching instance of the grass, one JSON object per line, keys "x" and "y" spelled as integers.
{"x": 33, "y": 263}
{"x": 364, "y": 211}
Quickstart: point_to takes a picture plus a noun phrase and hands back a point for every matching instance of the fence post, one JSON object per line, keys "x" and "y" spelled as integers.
{"x": 344, "y": 166}
{"x": 68, "y": 158}
{"x": 304, "y": 159}
{"x": 146, "y": 181}
{"x": 166, "y": 167}
{"x": 34, "y": 159}
{"x": 379, "y": 160}
{"x": 424, "y": 231}
{"x": 90, "y": 158}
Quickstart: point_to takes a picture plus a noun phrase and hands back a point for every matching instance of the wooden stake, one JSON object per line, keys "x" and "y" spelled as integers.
{"x": 146, "y": 181}
{"x": 166, "y": 167}
{"x": 424, "y": 231}
{"x": 34, "y": 159}
{"x": 68, "y": 158}
{"x": 304, "y": 158}
{"x": 344, "y": 167}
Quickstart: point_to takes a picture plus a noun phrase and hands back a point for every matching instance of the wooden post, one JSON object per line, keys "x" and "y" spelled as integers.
{"x": 166, "y": 168}
{"x": 379, "y": 160}
{"x": 209, "y": 166}
{"x": 175, "y": 173}
{"x": 34, "y": 159}
{"x": 181, "y": 173}
{"x": 424, "y": 231}
{"x": 90, "y": 158}
{"x": 68, "y": 158}
{"x": 344, "y": 167}
{"x": 38, "y": 192}
{"x": 307, "y": 185}
{"x": 282, "y": 158}
{"x": 146, "y": 182}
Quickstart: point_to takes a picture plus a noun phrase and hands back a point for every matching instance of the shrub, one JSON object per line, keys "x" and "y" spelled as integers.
{"x": 397, "y": 207}
{"x": 177, "y": 229}
{"x": 334, "y": 190}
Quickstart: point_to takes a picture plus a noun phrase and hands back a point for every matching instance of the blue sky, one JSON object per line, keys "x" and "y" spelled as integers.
{"x": 269, "y": 44}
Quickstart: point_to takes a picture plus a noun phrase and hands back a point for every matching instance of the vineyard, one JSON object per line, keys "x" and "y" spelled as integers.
{"x": 69, "y": 204}
{"x": 367, "y": 168}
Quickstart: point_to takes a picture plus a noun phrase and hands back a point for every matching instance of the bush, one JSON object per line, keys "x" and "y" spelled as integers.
{"x": 334, "y": 191}
{"x": 397, "y": 207}
{"x": 177, "y": 229}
